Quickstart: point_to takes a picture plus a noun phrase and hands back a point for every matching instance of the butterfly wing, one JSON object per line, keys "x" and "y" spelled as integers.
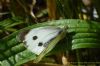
{"x": 38, "y": 39}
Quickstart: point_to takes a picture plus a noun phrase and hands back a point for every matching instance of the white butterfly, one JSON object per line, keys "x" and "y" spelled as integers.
{"x": 37, "y": 39}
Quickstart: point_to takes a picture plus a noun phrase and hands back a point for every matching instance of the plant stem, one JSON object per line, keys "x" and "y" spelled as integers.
{"x": 78, "y": 57}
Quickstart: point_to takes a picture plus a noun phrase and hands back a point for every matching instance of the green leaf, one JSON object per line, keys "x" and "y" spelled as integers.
{"x": 19, "y": 59}
{"x": 74, "y": 26}
{"x": 85, "y": 45}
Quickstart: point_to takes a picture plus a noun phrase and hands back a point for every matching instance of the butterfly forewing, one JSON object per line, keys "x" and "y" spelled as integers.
{"x": 38, "y": 39}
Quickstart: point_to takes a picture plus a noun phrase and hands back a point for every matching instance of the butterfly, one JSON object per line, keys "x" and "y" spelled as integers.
{"x": 39, "y": 40}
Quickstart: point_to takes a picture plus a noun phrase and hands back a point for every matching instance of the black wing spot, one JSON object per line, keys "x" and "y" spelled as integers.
{"x": 35, "y": 37}
{"x": 40, "y": 44}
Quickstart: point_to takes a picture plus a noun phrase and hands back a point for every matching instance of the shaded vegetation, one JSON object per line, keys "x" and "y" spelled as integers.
{"x": 80, "y": 45}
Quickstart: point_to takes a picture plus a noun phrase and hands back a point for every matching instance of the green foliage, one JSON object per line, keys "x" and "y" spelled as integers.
{"x": 80, "y": 34}
{"x": 10, "y": 47}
